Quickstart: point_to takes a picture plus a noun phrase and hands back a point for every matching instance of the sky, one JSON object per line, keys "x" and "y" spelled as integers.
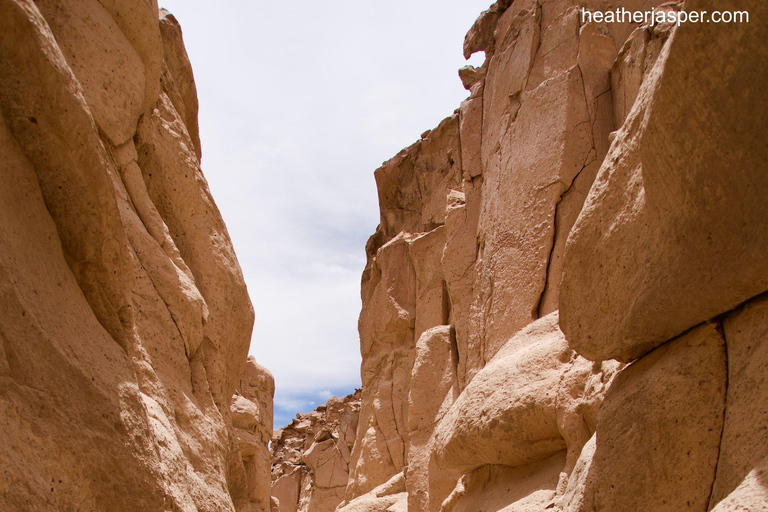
{"x": 300, "y": 102}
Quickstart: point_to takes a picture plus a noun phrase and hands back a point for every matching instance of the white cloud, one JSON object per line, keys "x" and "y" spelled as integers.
{"x": 299, "y": 103}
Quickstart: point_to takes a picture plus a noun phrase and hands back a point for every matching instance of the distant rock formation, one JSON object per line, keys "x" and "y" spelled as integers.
{"x": 564, "y": 303}
{"x": 310, "y": 457}
{"x": 124, "y": 318}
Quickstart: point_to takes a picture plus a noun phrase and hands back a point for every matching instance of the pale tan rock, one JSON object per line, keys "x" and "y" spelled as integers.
{"x": 517, "y": 33}
{"x": 286, "y": 489}
{"x": 251, "y": 416}
{"x": 434, "y": 387}
{"x": 61, "y": 141}
{"x": 470, "y": 76}
{"x": 170, "y": 276}
{"x": 506, "y": 415}
{"x": 412, "y": 185}
{"x": 558, "y": 43}
{"x": 433, "y": 380}
{"x": 327, "y": 463}
{"x": 530, "y": 145}
{"x": 324, "y": 499}
{"x": 480, "y": 37}
{"x": 48, "y": 361}
{"x": 387, "y": 323}
{"x": 529, "y": 429}
{"x": 529, "y": 488}
{"x": 459, "y": 260}
{"x": 258, "y": 386}
{"x": 107, "y": 383}
{"x": 573, "y": 496}
{"x": 521, "y": 192}
{"x": 672, "y": 233}
{"x": 113, "y": 81}
{"x": 404, "y": 296}
{"x": 751, "y": 494}
{"x": 387, "y": 497}
{"x": 432, "y": 307}
{"x": 596, "y": 52}
{"x": 311, "y": 456}
{"x": 663, "y": 413}
{"x": 743, "y": 452}
{"x": 470, "y": 131}
{"x": 138, "y": 22}
{"x": 634, "y": 62}
{"x": 180, "y": 71}
{"x": 538, "y": 49}
{"x": 126, "y": 158}
{"x": 178, "y": 189}
{"x": 244, "y": 413}
{"x": 375, "y": 466}
{"x": 534, "y": 399}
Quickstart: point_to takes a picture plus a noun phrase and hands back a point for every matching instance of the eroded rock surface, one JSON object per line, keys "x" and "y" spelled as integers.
{"x": 671, "y": 234}
{"x": 562, "y": 304}
{"x": 124, "y": 318}
{"x": 251, "y": 413}
{"x": 310, "y": 457}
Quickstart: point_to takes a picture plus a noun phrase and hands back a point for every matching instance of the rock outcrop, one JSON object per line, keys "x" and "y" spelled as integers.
{"x": 310, "y": 457}
{"x": 563, "y": 303}
{"x": 251, "y": 413}
{"x": 124, "y": 318}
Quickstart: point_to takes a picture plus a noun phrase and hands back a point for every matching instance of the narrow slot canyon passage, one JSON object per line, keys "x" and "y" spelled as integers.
{"x": 214, "y": 296}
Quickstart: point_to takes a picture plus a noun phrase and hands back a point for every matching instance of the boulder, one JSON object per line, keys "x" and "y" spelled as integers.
{"x": 674, "y": 228}
{"x": 664, "y": 413}
{"x": 743, "y": 456}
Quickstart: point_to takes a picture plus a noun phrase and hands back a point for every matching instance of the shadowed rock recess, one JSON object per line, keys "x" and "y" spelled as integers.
{"x": 564, "y": 303}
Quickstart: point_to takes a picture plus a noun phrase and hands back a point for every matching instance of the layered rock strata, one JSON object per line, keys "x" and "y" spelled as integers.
{"x": 563, "y": 303}
{"x": 310, "y": 457}
{"x": 124, "y": 318}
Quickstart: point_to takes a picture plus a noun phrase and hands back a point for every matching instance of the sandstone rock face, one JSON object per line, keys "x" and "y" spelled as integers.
{"x": 562, "y": 303}
{"x": 743, "y": 458}
{"x": 251, "y": 413}
{"x": 474, "y": 219}
{"x": 672, "y": 233}
{"x": 516, "y": 410}
{"x": 310, "y": 457}
{"x": 124, "y": 318}
{"x": 663, "y": 412}
{"x": 390, "y": 496}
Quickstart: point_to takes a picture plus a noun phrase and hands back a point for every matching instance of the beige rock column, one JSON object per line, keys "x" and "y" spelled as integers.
{"x": 251, "y": 413}
{"x": 434, "y": 388}
{"x": 743, "y": 460}
{"x": 658, "y": 431}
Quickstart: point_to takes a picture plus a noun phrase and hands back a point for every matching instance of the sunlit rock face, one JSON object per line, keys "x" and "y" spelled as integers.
{"x": 562, "y": 304}
{"x": 310, "y": 457}
{"x": 124, "y": 318}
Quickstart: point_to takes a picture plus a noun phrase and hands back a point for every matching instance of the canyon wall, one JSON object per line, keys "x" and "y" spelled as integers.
{"x": 124, "y": 318}
{"x": 563, "y": 303}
